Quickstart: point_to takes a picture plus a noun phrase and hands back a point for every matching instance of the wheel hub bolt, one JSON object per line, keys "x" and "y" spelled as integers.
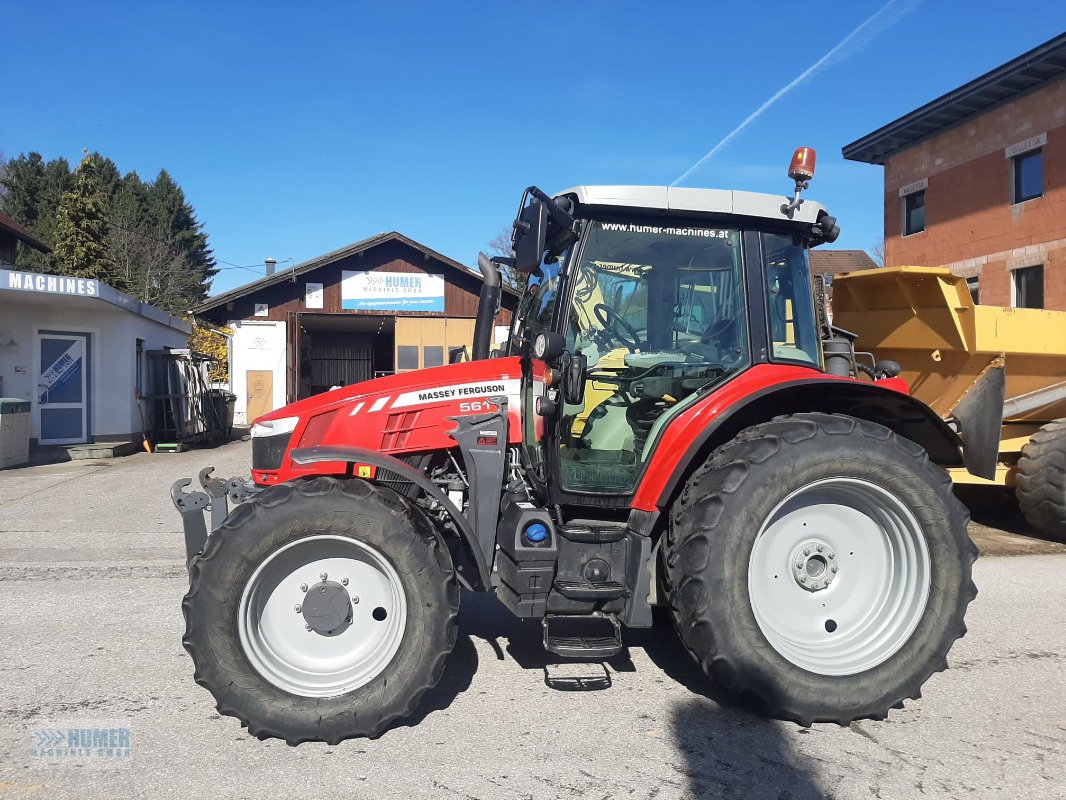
{"x": 344, "y": 581}
{"x": 303, "y": 587}
{"x": 323, "y": 576}
{"x": 811, "y": 565}
{"x": 307, "y": 627}
{"x": 355, "y": 600}
{"x": 299, "y": 608}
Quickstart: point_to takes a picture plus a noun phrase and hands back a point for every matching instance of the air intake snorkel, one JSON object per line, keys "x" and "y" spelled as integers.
{"x": 487, "y": 308}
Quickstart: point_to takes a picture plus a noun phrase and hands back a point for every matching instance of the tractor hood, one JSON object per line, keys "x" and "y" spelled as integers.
{"x": 410, "y": 412}
{"x": 447, "y": 377}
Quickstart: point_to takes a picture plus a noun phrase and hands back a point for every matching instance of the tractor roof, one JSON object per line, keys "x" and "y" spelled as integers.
{"x": 707, "y": 201}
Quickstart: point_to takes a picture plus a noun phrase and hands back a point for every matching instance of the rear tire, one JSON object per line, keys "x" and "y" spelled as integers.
{"x": 819, "y": 568}
{"x": 308, "y": 674}
{"x": 1041, "y": 480}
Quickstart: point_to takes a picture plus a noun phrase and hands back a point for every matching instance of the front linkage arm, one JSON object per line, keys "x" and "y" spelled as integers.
{"x": 215, "y": 496}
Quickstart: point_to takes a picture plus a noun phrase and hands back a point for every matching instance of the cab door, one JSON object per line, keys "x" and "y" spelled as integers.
{"x": 659, "y": 316}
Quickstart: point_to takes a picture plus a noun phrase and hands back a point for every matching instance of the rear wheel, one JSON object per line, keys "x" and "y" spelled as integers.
{"x": 322, "y": 610}
{"x": 1041, "y": 480}
{"x": 820, "y": 568}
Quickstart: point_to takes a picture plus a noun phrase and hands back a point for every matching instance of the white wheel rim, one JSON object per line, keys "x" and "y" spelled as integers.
{"x": 847, "y": 620}
{"x": 274, "y": 631}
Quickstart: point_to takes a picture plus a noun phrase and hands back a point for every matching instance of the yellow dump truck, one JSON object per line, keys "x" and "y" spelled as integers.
{"x": 957, "y": 356}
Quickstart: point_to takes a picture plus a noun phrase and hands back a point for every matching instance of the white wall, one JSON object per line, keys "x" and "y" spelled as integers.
{"x": 256, "y": 345}
{"x": 112, "y": 352}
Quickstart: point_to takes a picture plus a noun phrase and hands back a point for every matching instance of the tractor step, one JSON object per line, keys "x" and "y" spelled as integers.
{"x": 592, "y": 531}
{"x": 587, "y": 637}
{"x": 582, "y": 590}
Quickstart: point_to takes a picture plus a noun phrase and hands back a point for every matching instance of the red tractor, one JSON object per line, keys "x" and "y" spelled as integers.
{"x": 673, "y": 421}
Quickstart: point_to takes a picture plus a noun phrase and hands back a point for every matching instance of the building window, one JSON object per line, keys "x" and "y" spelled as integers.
{"x": 914, "y": 213}
{"x": 406, "y": 357}
{"x": 1028, "y": 176}
{"x": 1027, "y": 287}
{"x": 433, "y": 356}
{"x": 974, "y": 285}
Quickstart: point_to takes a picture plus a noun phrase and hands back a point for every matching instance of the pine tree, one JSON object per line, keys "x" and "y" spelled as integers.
{"x": 81, "y": 229}
{"x": 33, "y": 189}
{"x": 176, "y": 218}
{"x": 155, "y": 249}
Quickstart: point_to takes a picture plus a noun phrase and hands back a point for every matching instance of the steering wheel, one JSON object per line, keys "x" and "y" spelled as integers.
{"x": 621, "y": 330}
{"x": 718, "y": 330}
{"x": 723, "y": 335}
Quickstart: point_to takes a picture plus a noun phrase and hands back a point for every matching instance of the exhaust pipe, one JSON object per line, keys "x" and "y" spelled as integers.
{"x": 487, "y": 308}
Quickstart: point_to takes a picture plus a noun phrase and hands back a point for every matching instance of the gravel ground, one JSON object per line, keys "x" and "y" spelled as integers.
{"x": 91, "y": 578}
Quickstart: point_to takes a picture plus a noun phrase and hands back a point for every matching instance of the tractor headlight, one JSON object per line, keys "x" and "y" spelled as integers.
{"x": 274, "y": 427}
{"x": 270, "y": 440}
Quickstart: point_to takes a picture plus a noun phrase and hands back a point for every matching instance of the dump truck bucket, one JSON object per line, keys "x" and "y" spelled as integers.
{"x": 924, "y": 319}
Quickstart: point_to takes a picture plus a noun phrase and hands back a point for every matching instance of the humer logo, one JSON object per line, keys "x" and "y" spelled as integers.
{"x": 392, "y": 291}
{"x": 82, "y": 744}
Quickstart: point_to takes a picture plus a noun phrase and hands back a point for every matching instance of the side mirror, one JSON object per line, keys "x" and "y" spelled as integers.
{"x": 573, "y": 387}
{"x": 530, "y": 236}
{"x": 826, "y": 229}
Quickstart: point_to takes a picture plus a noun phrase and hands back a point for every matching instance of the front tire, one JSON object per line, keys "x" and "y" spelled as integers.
{"x": 321, "y": 610}
{"x": 820, "y": 568}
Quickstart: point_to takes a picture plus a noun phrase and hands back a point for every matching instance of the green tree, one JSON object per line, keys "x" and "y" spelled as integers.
{"x": 81, "y": 229}
{"x": 32, "y": 191}
{"x": 174, "y": 219}
{"x": 156, "y": 249}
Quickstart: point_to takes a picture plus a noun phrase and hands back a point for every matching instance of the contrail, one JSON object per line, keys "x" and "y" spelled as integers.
{"x": 880, "y": 21}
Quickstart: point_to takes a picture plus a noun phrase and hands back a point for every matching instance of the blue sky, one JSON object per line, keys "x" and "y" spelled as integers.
{"x": 296, "y": 128}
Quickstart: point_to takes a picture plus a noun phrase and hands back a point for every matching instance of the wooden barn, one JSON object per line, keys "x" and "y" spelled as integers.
{"x": 382, "y": 305}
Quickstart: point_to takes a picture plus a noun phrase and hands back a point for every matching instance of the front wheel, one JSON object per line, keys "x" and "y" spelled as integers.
{"x": 820, "y": 568}
{"x": 321, "y": 610}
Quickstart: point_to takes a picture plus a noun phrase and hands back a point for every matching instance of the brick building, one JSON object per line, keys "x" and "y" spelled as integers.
{"x": 976, "y": 181}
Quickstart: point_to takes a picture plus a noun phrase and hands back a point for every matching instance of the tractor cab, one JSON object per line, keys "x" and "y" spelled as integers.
{"x": 643, "y": 301}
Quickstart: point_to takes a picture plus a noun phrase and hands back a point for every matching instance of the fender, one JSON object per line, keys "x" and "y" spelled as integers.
{"x": 768, "y": 391}
{"x": 351, "y": 455}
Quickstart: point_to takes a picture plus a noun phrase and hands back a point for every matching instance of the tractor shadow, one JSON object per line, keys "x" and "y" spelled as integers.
{"x": 726, "y": 749}
{"x": 728, "y": 753}
{"x": 997, "y": 525}
{"x": 730, "y": 748}
{"x": 482, "y": 616}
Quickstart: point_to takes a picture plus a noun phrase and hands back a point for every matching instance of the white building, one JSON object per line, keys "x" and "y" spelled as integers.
{"x": 75, "y": 348}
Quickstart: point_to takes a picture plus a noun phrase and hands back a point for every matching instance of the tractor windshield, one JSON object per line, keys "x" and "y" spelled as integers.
{"x": 659, "y": 314}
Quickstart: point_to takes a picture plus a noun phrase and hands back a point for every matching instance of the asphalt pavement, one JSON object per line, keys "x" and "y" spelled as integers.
{"x": 91, "y": 580}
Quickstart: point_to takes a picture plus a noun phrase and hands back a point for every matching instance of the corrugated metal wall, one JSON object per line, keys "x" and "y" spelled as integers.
{"x": 339, "y": 359}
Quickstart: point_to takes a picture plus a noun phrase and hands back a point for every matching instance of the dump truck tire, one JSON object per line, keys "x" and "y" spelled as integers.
{"x": 819, "y": 568}
{"x": 1040, "y": 484}
{"x": 321, "y": 610}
